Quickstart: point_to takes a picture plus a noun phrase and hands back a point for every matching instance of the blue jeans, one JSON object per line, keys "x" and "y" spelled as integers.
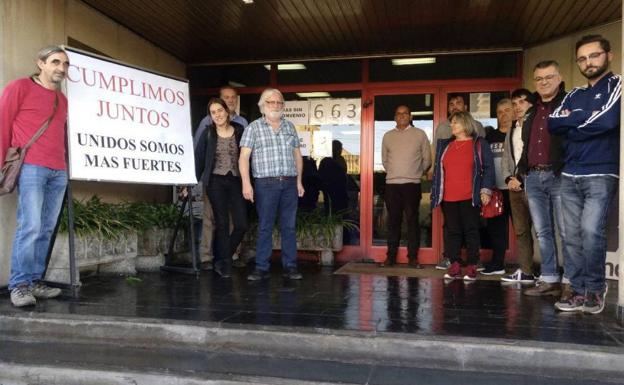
{"x": 586, "y": 203}
{"x": 543, "y": 190}
{"x": 40, "y": 193}
{"x": 276, "y": 197}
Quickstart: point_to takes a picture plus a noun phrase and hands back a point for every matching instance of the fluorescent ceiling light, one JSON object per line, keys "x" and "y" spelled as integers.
{"x": 236, "y": 84}
{"x": 408, "y": 61}
{"x": 287, "y": 67}
{"x": 313, "y": 94}
{"x": 421, "y": 113}
{"x": 248, "y": 1}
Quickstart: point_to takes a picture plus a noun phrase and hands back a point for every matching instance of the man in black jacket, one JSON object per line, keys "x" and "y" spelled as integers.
{"x": 540, "y": 165}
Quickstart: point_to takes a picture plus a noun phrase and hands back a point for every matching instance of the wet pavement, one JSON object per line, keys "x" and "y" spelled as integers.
{"x": 367, "y": 303}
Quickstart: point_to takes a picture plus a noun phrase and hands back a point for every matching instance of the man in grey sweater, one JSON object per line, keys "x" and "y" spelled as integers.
{"x": 406, "y": 156}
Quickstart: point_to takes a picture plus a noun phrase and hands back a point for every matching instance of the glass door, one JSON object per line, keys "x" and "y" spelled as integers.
{"x": 421, "y": 106}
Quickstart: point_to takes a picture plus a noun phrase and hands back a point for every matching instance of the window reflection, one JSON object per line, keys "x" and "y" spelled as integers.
{"x": 331, "y": 174}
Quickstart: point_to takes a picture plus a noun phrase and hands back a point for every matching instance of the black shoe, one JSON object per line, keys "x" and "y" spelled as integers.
{"x": 223, "y": 269}
{"x": 389, "y": 261}
{"x": 413, "y": 262}
{"x": 240, "y": 262}
{"x": 493, "y": 270}
{"x": 292, "y": 273}
{"x": 258, "y": 275}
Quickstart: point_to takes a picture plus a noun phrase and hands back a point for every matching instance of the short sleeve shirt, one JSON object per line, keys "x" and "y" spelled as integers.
{"x": 271, "y": 152}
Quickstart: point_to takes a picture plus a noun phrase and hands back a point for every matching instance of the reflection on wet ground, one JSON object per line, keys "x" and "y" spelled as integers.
{"x": 369, "y": 303}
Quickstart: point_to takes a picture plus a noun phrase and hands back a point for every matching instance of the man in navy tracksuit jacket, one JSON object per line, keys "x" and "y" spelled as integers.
{"x": 589, "y": 120}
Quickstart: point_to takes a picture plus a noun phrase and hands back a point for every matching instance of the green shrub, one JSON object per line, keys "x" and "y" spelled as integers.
{"x": 112, "y": 219}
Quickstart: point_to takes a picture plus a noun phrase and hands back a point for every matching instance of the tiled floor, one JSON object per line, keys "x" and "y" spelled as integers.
{"x": 369, "y": 303}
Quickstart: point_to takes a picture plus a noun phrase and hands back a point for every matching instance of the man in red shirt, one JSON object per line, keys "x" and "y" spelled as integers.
{"x": 26, "y": 104}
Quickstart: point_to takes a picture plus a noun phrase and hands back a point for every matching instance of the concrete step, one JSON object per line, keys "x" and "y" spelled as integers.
{"x": 147, "y": 350}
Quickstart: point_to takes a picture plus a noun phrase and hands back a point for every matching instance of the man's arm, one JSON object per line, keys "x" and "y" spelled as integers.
{"x": 384, "y": 152}
{"x": 582, "y": 125}
{"x": 243, "y": 168}
{"x": 299, "y": 165}
{"x": 425, "y": 149}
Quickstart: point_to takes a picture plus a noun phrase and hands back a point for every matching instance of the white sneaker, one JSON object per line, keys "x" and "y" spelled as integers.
{"x": 41, "y": 290}
{"x": 21, "y": 296}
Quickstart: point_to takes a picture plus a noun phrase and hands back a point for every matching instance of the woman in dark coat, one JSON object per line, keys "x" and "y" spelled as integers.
{"x": 216, "y": 163}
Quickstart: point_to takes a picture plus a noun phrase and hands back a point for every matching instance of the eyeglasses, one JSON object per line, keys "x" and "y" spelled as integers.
{"x": 583, "y": 59}
{"x": 548, "y": 78}
{"x": 274, "y": 103}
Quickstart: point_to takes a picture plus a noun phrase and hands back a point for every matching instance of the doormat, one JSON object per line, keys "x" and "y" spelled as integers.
{"x": 401, "y": 271}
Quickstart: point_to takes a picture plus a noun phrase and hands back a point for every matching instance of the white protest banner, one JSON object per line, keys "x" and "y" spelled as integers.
{"x": 296, "y": 111}
{"x": 305, "y": 142}
{"x": 126, "y": 124}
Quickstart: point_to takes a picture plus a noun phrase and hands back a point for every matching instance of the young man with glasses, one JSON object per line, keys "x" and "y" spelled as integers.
{"x": 589, "y": 120}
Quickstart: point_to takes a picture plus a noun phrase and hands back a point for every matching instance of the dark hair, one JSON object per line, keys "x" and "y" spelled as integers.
{"x": 227, "y": 87}
{"x": 220, "y": 102}
{"x": 520, "y": 92}
{"x": 546, "y": 63}
{"x": 604, "y": 43}
{"x": 403, "y": 105}
{"x": 456, "y": 95}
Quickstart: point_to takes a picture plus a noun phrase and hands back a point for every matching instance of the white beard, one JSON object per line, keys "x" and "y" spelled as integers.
{"x": 274, "y": 115}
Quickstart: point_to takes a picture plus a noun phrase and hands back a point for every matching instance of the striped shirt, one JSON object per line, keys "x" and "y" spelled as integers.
{"x": 271, "y": 153}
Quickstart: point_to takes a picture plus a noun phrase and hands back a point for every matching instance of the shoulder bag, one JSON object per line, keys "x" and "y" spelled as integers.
{"x": 15, "y": 158}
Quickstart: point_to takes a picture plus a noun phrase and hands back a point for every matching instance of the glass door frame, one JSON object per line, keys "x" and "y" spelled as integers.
{"x": 439, "y": 90}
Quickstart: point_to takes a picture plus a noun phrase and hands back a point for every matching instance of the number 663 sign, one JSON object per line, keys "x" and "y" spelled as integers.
{"x": 335, "y": 111}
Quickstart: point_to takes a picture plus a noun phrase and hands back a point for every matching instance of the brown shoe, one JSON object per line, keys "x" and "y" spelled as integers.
{"x": 566, "y": 292}
{"x": 543, "y": 289}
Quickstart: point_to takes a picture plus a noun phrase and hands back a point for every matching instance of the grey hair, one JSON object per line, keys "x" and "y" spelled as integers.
{"x": 466, "y": 120}
{"x": 45, "y": 52}
{"x": 266, "y": 94}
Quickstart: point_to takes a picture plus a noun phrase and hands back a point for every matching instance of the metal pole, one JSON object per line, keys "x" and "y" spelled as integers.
{"x": 620, "y": 266}
{"x": 72, "y": 248}
{"x": 194, "y": 253}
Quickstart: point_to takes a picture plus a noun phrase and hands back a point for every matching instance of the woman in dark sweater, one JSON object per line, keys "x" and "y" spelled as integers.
{"x": 216, "y": 163}
{"x": 463, "y": 179}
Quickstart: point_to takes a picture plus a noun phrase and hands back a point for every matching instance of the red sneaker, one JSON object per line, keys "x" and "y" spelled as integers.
{"x": 454, "y": 271}
{"x": 471, "y": 273}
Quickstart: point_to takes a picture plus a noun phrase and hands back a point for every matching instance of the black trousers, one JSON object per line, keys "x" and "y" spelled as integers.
{"x": 226, "y": 197}
{"x": 498, "y": 231}
{"x": 403, "y": 198}
{"x": 462, "y": 223}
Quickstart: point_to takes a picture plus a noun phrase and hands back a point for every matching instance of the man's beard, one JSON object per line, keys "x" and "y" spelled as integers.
{"x": 598, "y": 71}
{"x": 274, "y": 114}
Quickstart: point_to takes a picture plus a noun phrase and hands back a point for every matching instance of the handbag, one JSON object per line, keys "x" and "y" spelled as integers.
{"x": 15, "y": 157}
{"x": 494, "y": 207}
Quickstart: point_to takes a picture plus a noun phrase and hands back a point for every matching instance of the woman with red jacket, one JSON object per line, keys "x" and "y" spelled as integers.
{"x": 463, "y": 180}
